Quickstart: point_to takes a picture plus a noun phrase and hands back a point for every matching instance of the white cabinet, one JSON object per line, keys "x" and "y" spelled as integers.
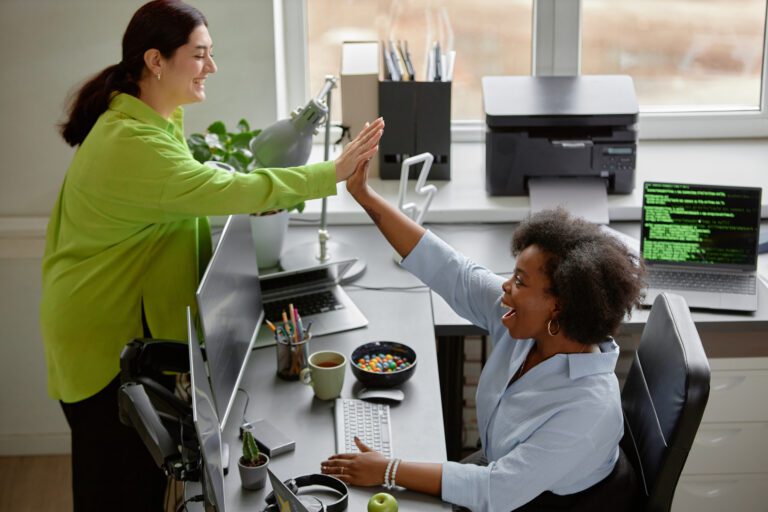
{"x": 727, "y": 468}
{"x": 721, "y": 493}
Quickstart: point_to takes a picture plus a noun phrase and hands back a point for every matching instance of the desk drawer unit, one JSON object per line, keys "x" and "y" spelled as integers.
{"x": 737, "y": 396}
{"x": 725, "y": 493}
{"x": 727, "y": 468}
{"x": 725, "y": 448}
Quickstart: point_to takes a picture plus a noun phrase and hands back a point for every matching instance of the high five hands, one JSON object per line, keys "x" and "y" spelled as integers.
{"x": 360, "y": 150}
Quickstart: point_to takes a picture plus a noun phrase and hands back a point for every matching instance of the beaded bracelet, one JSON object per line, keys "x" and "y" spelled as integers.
{"x": 392, "y": 475}
{"x": 386, "y": 474}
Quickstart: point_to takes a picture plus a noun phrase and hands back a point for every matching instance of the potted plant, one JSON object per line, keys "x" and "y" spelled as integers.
{"x": 232, "y": 148}
{"x": 253, "y": 464}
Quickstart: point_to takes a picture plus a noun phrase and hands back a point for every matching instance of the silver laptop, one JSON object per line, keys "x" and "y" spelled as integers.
{"x": 317, "y": 295}
{"x": 700, "y": 241}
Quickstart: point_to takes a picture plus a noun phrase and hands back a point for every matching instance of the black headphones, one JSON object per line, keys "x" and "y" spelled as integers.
{"x": 318, "y": 479}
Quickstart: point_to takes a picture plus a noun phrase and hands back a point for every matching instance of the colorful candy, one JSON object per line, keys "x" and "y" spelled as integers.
{"x": 382, "y": 363}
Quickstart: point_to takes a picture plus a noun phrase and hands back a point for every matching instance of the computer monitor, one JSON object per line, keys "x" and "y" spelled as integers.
{"x": 206, "y": 425}
{"x": 230, "y": 307}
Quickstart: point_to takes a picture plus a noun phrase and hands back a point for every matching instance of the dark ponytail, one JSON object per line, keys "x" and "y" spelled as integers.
{"x": 164, "y": 25}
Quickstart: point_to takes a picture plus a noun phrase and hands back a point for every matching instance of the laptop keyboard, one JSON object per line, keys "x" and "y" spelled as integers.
{"x": 702, "y": 281}
{"x": 310, "y": 304}
{"x": 366, "y": 420}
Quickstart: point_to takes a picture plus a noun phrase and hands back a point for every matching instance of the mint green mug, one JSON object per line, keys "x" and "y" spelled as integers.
{"x": 325, "y": 373}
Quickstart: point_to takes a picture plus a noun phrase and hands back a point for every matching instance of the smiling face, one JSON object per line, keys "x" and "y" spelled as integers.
{"x": 525, "y": 294}
{"x": 183, "y": 75}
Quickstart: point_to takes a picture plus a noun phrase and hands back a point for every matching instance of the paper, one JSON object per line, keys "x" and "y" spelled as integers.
{"x": 583, "y": 197}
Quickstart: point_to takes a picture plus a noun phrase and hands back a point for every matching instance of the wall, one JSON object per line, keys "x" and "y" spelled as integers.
{"x": 50, "y": 47}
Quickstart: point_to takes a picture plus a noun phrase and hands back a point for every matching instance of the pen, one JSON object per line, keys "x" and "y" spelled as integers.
{"x": 309, "y": 326}
{"x": 438, "y": 59}
{"x": 408, "y": 62}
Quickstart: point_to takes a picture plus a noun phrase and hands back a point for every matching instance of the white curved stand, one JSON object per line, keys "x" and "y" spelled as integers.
{"x": 410, "y": 209}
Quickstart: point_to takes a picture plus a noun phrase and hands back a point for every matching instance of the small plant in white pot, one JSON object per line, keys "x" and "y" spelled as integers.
{"x": 217, "y": 145}
{"x": 253, "y": 464}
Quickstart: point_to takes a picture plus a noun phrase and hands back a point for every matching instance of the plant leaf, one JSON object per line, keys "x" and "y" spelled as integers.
{"x": 202, "y": 154}
{"x": 241, "y": 140}
{"x": 218, "y": 128}
{"x": 232, "y": 160}
{"x": 196, "y": 139}
{"x": 243, "y": 156}
{"x": 243, "y": 126}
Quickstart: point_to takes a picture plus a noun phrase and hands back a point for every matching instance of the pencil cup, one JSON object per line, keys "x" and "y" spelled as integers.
{"x": 291, "y": 357}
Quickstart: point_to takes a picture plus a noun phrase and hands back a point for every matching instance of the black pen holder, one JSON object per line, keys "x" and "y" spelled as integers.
{"x": 418, "y": 120}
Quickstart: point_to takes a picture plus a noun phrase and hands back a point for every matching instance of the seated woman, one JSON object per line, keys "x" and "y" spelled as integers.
{"x": 548, "y": 402}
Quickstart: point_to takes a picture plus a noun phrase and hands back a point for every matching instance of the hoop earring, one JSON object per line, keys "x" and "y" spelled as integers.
{"x": 549, "y": 327}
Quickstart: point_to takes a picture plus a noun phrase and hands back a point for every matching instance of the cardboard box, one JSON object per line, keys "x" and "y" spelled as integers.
{"x": 359, "y": 88}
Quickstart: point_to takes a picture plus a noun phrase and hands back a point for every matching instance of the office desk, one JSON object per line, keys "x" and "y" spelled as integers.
{"x": 416, "y": 317}
{"x": 417, "y": 427}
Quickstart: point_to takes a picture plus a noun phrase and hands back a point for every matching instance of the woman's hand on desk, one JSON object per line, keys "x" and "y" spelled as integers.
{"x": 360, "y": 150}
{"x": 364, "y": 469}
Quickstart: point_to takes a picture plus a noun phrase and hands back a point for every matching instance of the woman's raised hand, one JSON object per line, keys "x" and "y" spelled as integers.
{"x": 360, "y": 150}
{"x": 358, "y": 182}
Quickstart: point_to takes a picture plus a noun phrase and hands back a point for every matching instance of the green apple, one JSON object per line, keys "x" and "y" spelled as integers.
{"x": 382, "y": 502}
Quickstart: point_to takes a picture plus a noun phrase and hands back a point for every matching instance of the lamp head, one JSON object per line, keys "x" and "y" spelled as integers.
{"x": 288, "y": 142}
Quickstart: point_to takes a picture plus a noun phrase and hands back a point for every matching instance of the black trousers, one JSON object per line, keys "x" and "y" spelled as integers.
{"x": 111, "y": 468}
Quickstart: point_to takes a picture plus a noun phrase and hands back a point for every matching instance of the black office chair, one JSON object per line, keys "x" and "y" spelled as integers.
{"x": 663, "y": 399}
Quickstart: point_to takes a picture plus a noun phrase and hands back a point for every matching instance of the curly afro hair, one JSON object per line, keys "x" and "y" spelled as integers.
{"x": 594, "y": 277}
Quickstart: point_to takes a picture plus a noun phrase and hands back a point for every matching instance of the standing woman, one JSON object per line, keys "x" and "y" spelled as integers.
{"x": 128, "y": 237}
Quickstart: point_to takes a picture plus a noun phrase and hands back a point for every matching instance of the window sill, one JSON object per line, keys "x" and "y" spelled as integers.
{"x": 463, "y": 199}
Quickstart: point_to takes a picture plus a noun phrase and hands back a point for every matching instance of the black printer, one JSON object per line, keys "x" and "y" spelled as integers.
{"x": 559, "y": 127}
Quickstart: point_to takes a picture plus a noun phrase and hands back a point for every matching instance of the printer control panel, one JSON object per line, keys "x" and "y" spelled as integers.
{"x": 617, "y": 158}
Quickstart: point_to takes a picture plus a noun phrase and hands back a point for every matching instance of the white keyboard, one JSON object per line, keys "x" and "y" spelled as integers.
{"x": 366, "y": 420}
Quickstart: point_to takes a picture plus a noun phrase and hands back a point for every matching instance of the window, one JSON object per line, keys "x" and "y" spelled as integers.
{"x": 699, "y": 66}
{"x": 684, "y": 55}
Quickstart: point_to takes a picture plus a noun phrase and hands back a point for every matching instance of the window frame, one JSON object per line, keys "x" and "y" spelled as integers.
{"x": 556, "y": 50}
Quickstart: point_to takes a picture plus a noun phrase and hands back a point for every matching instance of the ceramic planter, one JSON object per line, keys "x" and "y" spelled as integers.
{"x": 253, "y": 477}
{"x": 268, "y": 233}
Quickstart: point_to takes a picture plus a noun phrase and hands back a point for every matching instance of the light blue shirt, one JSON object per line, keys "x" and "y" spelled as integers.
{"x": 556, "y": 428}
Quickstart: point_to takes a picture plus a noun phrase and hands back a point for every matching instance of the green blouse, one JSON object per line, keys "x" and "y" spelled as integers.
{"x": 129, "y": 228}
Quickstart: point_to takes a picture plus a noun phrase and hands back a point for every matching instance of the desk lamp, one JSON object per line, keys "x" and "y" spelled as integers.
{"x": 288, "y": 143}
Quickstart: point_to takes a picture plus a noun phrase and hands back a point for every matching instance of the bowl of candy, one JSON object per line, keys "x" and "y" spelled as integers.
{"x": 383, "y": 364}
